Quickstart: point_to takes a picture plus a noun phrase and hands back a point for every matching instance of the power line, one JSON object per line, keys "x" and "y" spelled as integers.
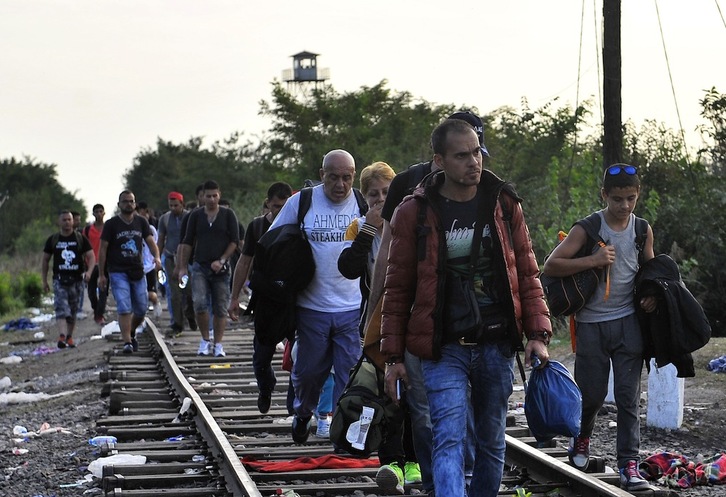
{"x": 718, "y": 7}
{"x": 673, "y": 88}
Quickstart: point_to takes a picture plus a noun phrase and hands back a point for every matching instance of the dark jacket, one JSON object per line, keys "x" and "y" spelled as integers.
{"x": 414, "y": 287}
{"x": 353, "y": 263}
{"x": 678, "y": 326}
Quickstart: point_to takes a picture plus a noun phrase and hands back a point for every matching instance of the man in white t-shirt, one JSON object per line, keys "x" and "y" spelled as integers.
{"x": 328, "y": 310}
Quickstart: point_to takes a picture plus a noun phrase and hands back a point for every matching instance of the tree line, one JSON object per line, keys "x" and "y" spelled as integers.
{"x": 552, "y": 154}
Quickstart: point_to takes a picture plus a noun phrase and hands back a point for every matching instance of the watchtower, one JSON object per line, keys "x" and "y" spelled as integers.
{"x": 305, "y": 73}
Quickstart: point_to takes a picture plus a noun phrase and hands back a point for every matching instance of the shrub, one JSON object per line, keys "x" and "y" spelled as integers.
{"x": 30, "y": 288}
{"x": 8, "y": 300}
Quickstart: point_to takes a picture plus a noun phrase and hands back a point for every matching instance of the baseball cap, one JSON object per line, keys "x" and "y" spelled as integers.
{"x": 176, "y": 196}
{"x": 476, "y": 123}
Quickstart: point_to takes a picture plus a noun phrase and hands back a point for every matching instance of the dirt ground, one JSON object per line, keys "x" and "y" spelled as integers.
{"x": 55, "y": 462}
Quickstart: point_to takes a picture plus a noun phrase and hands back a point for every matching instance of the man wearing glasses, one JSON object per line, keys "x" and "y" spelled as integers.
{"x": 120, "y": 255}
{"x": 608, "y": 331}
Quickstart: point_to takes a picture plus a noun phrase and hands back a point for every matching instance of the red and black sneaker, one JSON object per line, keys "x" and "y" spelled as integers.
{"x": 62, "y": 341}
{"x": 70, "y": 343}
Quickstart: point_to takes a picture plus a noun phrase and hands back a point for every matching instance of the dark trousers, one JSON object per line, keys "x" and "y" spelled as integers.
{"x": 96, "y": 295}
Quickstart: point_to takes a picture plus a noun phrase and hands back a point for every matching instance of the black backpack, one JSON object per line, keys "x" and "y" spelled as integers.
{"x": 567, "y": 295}
{"x": 283, "y": 266}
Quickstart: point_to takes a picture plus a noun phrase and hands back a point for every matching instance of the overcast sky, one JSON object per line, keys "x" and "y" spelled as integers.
{"x": 88, "y": 84}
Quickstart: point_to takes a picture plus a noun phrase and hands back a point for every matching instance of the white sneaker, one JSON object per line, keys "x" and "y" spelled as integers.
{"x": 323, "y": 429}
{"x": 219, "y": 350}
{"x": 203, "y": 347}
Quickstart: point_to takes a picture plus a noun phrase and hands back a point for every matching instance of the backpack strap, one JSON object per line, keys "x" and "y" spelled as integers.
{"x": 87, "y": 230}
{"x": 306, "y": 199}
{"x": 422, "y": 230}
{"x": 417, "y": 172}
{"x": 362, "y": 204}
{"x": 641, "y": 235}
{"x": 591, "y": 225}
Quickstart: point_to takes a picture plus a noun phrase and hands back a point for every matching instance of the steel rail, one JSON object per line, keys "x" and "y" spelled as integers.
{"x": 237, "y": 480}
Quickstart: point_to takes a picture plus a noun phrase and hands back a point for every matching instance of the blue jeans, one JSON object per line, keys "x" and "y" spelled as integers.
{"x": 130, "y": 295}
{"x": 324, "y": 340}
{"x": 488, "y": 368}
{"x": 325, "y": 403}
{"x": 418, "y": 408}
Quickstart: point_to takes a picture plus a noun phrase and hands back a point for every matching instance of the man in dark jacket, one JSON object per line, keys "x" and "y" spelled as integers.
{"x": 425, "y": 246}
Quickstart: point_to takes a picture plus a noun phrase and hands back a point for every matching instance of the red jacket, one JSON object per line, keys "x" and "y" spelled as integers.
{"x": 413, "y": 299}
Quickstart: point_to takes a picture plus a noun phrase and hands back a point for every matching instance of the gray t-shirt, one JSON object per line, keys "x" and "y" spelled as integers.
{"x": 622, "y": 277}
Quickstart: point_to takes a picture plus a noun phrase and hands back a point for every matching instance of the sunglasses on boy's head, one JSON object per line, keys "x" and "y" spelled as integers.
{"x": 615, "y": 170}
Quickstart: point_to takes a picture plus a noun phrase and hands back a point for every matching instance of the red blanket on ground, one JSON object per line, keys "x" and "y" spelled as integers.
{"x": 330, "y": 461}
{"x": 678, "y": 471}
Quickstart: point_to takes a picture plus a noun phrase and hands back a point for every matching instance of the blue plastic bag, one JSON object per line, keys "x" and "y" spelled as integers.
{"x": 553, "y": 403}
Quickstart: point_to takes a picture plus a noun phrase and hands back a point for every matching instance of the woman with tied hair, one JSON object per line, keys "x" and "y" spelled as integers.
{"x": 363, "y": 239}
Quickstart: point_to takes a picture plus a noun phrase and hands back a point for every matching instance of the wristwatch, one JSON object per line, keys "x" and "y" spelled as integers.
{"x": 394, "y": 360}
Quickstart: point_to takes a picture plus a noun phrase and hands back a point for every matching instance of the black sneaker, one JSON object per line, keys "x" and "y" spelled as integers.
{"x": 134, "y": 344}
{"x": 300, "y": 429}
{"x": 128, "y": 348}
{"x": 264, "y": 399}
{"x": 62, "y": 342}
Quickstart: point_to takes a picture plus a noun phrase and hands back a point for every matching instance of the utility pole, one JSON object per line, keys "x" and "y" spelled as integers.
{"x": 612, "y": 84}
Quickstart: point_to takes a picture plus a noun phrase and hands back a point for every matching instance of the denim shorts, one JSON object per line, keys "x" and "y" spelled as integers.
{"x": 130, "y": 295}
{"x": 206, "y": 283}
{"x": 66, "y": 299}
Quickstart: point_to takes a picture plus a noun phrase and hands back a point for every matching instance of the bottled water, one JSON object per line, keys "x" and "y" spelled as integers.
{"x": 102, "y": 439}
{"x": 161, "y": 276}
{"x": 183, "y": 281}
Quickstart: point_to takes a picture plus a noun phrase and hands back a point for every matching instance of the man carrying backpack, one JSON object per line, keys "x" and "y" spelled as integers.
{"x": 462, "y": 224}
{"x": 73, "y": 263}
{"x": 607, "y": 330}
{"x": 277, "y": 195}
{"x": 328, "y": 310}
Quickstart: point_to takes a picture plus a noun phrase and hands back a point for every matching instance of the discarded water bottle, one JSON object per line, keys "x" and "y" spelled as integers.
{"x": 102, "y": 439}
{"x": 161, "y": 276}
{"x": 183, "y": 281}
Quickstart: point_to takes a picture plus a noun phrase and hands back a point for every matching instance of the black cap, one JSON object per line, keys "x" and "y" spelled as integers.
{"x": 476, "y": 123}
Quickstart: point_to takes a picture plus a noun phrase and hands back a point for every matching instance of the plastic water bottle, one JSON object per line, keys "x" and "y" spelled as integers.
{"x": 183, "y": 281}
{"x": 161, "y": 276}
{"x": 102, "y": 439}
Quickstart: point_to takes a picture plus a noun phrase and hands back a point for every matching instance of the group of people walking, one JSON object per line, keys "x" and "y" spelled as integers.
{"x": 435, "y": 230}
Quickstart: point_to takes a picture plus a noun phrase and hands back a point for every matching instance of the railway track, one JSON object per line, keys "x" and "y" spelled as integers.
{"x": 195, "y": 418}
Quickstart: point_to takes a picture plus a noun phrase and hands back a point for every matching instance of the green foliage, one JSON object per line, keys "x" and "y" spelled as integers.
{"x": 714, "y": 111}
{"x": 171, "y": 167}
{"x": 31, "y": 192}
{"x": 372, "y": 124}
{"x": 29, "y": 287}
{"x": 33, "y": 236}
{"x": 8, "y": 300}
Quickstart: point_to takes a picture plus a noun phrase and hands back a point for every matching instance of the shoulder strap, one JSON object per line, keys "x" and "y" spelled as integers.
{"x": 416, "y": 174}
{"x": 54, "y": 240}
{"x": 591, "y": 225}
{"x": 79, "y": 239}
{"x": 87, "y": 230}
{"x": 362, "y": 204}
{"x": 306, "y": 199}
{"x": 422, "y": 231}
{"x": 641, "y": 235}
